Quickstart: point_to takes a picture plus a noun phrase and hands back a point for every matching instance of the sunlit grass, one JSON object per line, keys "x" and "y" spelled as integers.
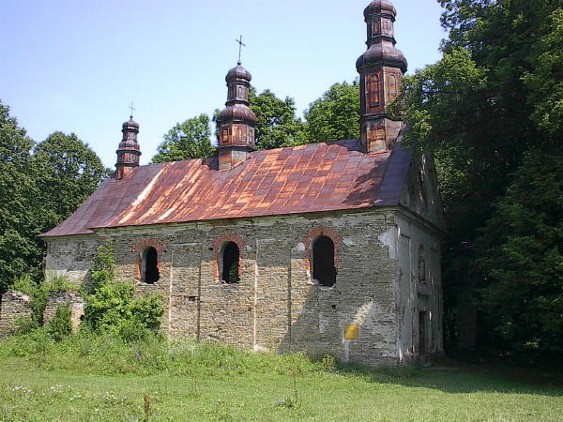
{"x": 102, "y": 379}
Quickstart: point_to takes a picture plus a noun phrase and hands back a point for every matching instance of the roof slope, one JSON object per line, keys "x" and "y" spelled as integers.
{"x": 301, "y": 179}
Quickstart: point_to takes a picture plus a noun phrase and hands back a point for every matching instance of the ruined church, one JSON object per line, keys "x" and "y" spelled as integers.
{"x": 326, "y": 248}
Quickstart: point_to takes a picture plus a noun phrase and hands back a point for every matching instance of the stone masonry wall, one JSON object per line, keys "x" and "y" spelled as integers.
{"x": 70, "y": 299}
{"x": 276, "y": 305}
{"x": 13, "y": 306}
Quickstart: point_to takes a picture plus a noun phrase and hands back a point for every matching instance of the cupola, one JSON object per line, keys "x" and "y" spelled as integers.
{"x": 381, "y": 69}
{"x": 237, "y": 120}
{"x": 129, "y": 151}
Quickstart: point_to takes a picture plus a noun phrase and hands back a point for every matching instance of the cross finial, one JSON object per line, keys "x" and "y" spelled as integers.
{"x": 240, "y": 45}
{"x": 132, "y": 110}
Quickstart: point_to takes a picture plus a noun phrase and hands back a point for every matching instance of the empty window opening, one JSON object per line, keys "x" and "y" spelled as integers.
{"x": 230, "y": 258}
{"x": 421, "y": 265}
{"x": 324, "y": 270}
{"x": 150, "y": 272}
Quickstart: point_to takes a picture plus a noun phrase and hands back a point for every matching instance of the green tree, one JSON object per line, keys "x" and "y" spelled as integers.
{"x": 480, "y": 109}
{"x": 19, "y": 252}
{"x": 335, "y": 115}
{"x": 187, "y": 140}
{"x": 520, "y": 253}
{"x": 545, "y": 81}
{"x": 276, "y": 126}
{"x": 67, "y": 172}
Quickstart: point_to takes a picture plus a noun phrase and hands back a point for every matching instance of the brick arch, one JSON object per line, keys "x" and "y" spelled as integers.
{"x": 217, "y": 246}
{"x": 138, "y": 253}
{"x": 316, "y": 232}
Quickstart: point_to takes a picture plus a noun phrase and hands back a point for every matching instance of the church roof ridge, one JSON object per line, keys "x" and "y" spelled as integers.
{"x": 326, "y": 176}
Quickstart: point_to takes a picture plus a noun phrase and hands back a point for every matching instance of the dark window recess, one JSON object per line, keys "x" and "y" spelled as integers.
{"x": 324, "y": 270}
{"x": 231, "y": 256}
{"x": 150, "y": 266}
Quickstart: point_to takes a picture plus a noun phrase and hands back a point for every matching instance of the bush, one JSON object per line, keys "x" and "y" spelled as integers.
{"x": 39, "y": 293}
{"x": 60, "y": 325}
{"x": 111, "y": 307}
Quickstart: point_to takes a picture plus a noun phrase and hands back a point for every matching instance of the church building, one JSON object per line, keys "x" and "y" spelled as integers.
{"x": 326, "y": 248}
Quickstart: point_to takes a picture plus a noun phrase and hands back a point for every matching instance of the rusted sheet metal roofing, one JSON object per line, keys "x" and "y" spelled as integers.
{"x": 302, "y": 179}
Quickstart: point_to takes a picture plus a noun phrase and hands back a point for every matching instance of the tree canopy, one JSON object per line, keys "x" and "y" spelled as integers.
{"x": 40, "y": 185}
{"x": 186, "y": 140}
{"x": 277, "y": 125}
{"x": 335, "y": 115}
{"x": 18, "y": 250}
{"x": 485, "y": 110}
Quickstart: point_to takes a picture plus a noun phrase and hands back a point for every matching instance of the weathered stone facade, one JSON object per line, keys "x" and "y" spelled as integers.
{"x": 71, "y": 299}
{"x": 376, "y": 312}
{"x": 14, "y": 306}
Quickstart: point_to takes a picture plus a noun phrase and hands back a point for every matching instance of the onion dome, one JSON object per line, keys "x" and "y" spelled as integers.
{"x": 128, "y": 151}
{"x": 238, "y": 72}
{"x": 383, "y": 55}
{"x": 236, "y": 121}
{"x": 380, "y": 17}
{"x": 380, "y": 6}
{"x": 237, "y": 112}
{"x": 130, "y": 130}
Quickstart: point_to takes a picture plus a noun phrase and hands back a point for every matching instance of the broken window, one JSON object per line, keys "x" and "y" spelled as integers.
{"x": 324, "y": 270}
{"x": 150, "y": 273}
{"x": 230, "y": 263}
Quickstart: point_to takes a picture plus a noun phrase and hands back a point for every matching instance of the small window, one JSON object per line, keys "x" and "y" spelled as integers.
{"x": 150, "y": 273}
{"x": 421, "y": 265}
{"x": 230, "y": 263}
{"x": 324, "y": 270}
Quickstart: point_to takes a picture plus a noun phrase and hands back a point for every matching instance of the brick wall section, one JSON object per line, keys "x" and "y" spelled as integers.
{"x": 13, "y": 306}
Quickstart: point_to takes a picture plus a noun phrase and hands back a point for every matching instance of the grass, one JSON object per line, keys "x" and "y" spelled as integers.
{"x": 86, "y": 378}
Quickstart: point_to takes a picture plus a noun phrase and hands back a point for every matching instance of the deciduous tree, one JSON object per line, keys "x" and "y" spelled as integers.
{"x": 336, "y": 114}
{"x": 19, "y": 252}
{"x": 186, "y": 140}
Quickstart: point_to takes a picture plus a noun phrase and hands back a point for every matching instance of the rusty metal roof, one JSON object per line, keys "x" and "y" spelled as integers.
{"x": 302, "y": 179}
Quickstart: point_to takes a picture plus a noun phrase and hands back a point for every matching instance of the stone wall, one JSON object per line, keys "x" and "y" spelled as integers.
{"x": 276, "y": 305}
{"x": 13, "y": 307}
{"x": 70, "y": 299}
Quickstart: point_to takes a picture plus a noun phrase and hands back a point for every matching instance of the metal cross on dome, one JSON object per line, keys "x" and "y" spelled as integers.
{"x": 240, "y": 45}
{"x": 132, "y": 109}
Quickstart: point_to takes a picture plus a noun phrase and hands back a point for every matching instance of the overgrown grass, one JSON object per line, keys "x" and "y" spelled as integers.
{"x": 101, "y": 378}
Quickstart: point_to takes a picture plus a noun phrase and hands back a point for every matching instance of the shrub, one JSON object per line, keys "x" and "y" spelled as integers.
{"x": 39, "y": 293}
{"x": 60, "y": 325}
{"x": 111, "y": 307}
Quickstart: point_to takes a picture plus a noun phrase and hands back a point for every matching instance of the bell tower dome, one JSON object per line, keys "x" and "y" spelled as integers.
{"x": 381, "y": 69}
{"x": 237, "y": 120}
{"x": 129, "y": 151}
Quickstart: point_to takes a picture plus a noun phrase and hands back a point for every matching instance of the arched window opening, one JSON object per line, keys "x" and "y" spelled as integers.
{"x": 230, "y": 263}
{"x": 324, "y": 270}
{"x": 150, "y": 273}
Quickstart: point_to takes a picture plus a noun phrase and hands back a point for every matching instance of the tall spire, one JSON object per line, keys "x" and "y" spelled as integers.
{"x": 237, "y": 121}
{"x": 381, "y": 69}
{"x": 129, "y": 151}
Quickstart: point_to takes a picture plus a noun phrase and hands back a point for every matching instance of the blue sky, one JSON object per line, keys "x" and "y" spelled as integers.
{"x": 76, "y": 65}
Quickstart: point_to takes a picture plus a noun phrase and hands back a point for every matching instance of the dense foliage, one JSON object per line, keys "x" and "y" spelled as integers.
{"x": 277, "y": 124}
{"x": 490, "y": 111}
{"x": 111, "y": 306}
{"x": 186, "y": 140}
{"x": 40, "y": 185}
{"x": 335, "y": 115}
